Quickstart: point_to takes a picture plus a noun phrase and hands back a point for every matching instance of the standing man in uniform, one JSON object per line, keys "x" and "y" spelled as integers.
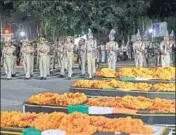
{"x": 102, "y": 49}
{"x": 43, "y": 50}
{"x": 91, "y": 48}
{"x": 68, "y": 56}
{"x": 48, "y": 58}
{"x": 28, "y": 51}
{"x": 165, "y": 50}
{"x": 60, "y": 54}
{"x": 147, "y": 45}
{"x": 173, "y": 45}
{"x": 23, "y": 55}
{"x": 14, "y": 62}
{"x": 139, "y": 51}
{"x": 7, "y": 52}
{"x": 112, "y": 48}
{"x": 82, "y": 56}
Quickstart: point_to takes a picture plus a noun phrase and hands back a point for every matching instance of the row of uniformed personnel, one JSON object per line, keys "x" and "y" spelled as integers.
{"x": 165, "y": 49}
{"x": 64, "y": 49}
{"x": 64, "y": 52}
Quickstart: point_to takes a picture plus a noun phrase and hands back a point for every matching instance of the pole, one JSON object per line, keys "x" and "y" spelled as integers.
{"x": 152, "y": 30}
{"x": 1, "y": 17}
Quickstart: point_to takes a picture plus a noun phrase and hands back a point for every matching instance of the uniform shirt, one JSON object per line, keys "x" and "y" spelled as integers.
{"x": 60, "y": 49}
{"x": 147, "y": 45}
{"x": 110, "y": 46}
{"x": 23, "y": 47}
{"x": 138, "y": 45}
{"x": 165, "y": 47}
{"x": 28, "y": 49}
{"x": 82, "y": 50}
{"x": 91, "y": 47}
{"x": 68, "y": 47}
{"x": 8, "y": 51}
{"x": 43, "y": 49}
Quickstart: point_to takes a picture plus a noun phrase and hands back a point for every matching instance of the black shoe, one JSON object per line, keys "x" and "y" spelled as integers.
{"x": 69, "y": 78}
{"x": 61, "y": 76}
{"x": 13, "y": 75}
{"x": 31, "y": 75}
{"x": 8, "y": 79}
{"x": 41, "y": 78}
{"x": 27, "y": 78}
{"x": 90, "y": 78}
{"x": 44, "y": 78}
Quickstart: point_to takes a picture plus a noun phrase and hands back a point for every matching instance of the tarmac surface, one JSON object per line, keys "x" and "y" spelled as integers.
{"x": 14, "y": 92}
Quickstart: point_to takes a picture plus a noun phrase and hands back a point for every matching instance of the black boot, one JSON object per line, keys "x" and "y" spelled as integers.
{"x": 13, "y": 75}
{"x": 41, "y": 78}
{"x": 44, "y": 78}
{"x": 61, "y": 76}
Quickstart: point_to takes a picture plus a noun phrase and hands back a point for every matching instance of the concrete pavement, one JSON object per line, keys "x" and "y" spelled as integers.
{"x": 14, "y": 92}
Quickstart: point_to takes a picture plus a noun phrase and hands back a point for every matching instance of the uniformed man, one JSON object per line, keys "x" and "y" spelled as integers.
{"x": 43, "y": 50}
{"x": 28, "y": 51}
{"x": 7, "y": 52}
{"x": 68, "y": 56}
{"x": 91, "y": 48}
{"x": 173, "y": 45}
{"x": 165, "y": 50}
{"x": 82, "y": 55}
{"x": 124, "y": 49}
{"x": 48, "y": 58}
{"x": 139, "y": 51}
{"x": 147, "y": 45}
{"x": 14, "y": 61}
{"x": 60, "y": 54}
{"x": 33, "y": 48}
{"x": 35, "y": 65}
{"x": 23, "y": 55}
{"x": 112, "y": 48}
{"x": 102, "y": 51}
{"x": 5, "y": 45}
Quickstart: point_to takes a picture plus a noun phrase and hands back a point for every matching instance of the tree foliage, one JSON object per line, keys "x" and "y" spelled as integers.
{"x": 73, "y": 17}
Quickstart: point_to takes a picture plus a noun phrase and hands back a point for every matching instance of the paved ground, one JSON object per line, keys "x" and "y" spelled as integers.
{"x": 17, "y": 90}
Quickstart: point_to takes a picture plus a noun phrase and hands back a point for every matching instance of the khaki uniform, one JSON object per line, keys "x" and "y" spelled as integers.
{"x": 60, "y": 54}
{"x": 166, "y": 49}
{"x": 67, "y": 58}
{"x": 28, "y": 51}
{"x": 91, "y": 48}
{"x": 8, "y": 60}
{"x": 14, "y": 61}
{"x": 82, "y": 53}
{"x": 32, "y": 59}
{"x": 112, "y": 48}
{"x": 48, "y": 57}
{"x": 24, "y": 44}
{"x": 139, "y": 55}
{"x": 102, "y": 48}
{"x": 43, "y": 50}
